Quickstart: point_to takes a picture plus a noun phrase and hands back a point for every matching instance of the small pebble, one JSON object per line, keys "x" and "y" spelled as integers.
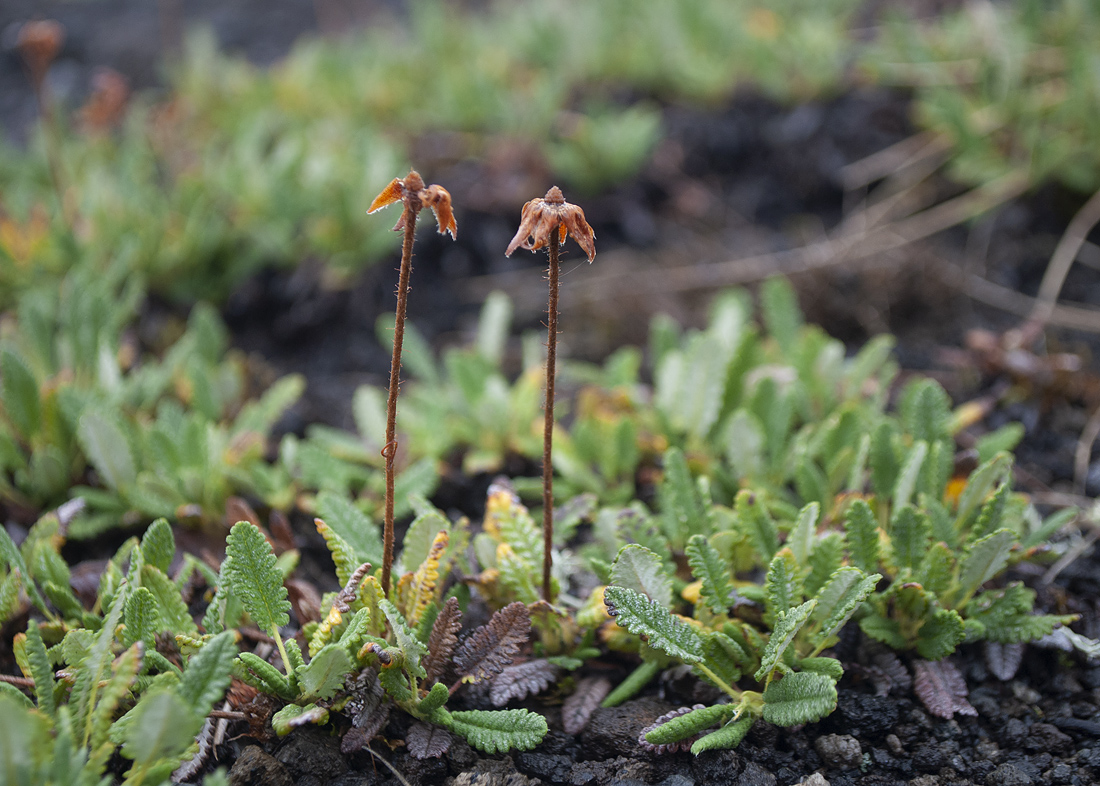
{"x": 839, "y": 751}
{"x": 893, "y": 744}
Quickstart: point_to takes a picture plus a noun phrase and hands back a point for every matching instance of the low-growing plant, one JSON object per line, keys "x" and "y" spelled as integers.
{"x": 82, "y": 414}
{"x": 780, "y": 652}
{"x": 371, "y": 653}
{"x": 105, "y": 680}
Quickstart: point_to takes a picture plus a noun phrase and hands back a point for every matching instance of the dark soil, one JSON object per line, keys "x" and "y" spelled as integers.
{"x": 751, "y": 177}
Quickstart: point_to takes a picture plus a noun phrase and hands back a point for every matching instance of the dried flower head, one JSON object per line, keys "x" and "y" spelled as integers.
{"x": 38, "y": 43}
{"x": 540, "y": 217}
{"x": 415, "y": 195}
{"x": 107, "y": 102}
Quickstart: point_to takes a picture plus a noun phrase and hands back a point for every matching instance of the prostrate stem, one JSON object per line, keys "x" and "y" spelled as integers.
{"x": 548, "y": 424}
{"x": 389, "y": 452}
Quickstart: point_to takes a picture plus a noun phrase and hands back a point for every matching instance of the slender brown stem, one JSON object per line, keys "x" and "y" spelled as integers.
{"x": 22, "y": 682}
{"x": 390, "y": 450}
{"x": 548, "y": 423}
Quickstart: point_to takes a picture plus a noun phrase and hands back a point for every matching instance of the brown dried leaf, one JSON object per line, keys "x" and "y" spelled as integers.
{"x": 425, "y": 741}
{"x": 441, "y": 644}
{"x": 941, "y": 688}
{"x": 369, "y": 708}
{"x": 493, "y": 646}
{"x": 521, "y": 680}
{"x": 346, "y": 596}
{"x": 888, "y": 673}
{"x": 305, "y": 599}
{"x": 1003, "y": 660}
{"x": 584, "y": 701}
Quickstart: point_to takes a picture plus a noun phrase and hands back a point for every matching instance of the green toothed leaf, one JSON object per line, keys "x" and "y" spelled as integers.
{"x": 940, "y": 634}
{"x": 910, "y": 472}
{"x": 251, "y": 573}
{"x": 207, "y": 675}
{"x": 141, "y": 618}
{"x": 352, "y": 525}
{"x": 647, "y": 618}
{"x": 787, "y": 625}
{"x": 727, "y": 737}
{"x": 171, "y": 609}
{"x": 325, "y": 674}
{"x": 984, "y": 559}
{"x": 982, "y": 481}
{"x": 708, "y": 566}
{"x": 496, "y": 731}
{"x": 641, "y": 570}
{"x": 782, "y": 585}
{"x": 910, "y": 537}
{"x": 862, "y": 531}
{"x": 41, "y": 671}
{"x": 830, "y": 667}
{"x": 801, "y": 697}
{"x": 839, "y": 599}
{"x": 292, "y": 716}
{"x": 804, "y": 533}
{"x": 757, "y": 524}
{"x": 158, "y": 545}
{"x": 683, "y": 726}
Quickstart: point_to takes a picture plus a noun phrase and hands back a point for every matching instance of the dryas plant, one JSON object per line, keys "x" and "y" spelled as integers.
{"x": 108, "y": 677}
{"x": 370, "y": 654}
{"x": 414, "y": 196}
{"x": 780, "y": 651}
{"x": 545, "y": 223}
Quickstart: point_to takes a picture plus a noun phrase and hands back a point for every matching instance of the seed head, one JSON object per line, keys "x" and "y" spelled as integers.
{"x": 412, "y": 192}
{"x": 540, "y": 217}
{"x": 38, "y": 43}
{"x": 107, "y": 102}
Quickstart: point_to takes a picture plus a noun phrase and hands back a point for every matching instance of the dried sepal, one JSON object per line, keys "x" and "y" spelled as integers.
{"x": 552, "y": 213}
{"x": 493, "y": 646}
{"x": 941, "y": 688}
{"x": 439, "y": 200}
{"x": 585, "y": 700}
{"x": 521, "y": 680}
{"x": 424, "y": 741}
{"x": 394, "y": 192}
{"x": 443, "y": 639}
{"x": 411, "y": 191}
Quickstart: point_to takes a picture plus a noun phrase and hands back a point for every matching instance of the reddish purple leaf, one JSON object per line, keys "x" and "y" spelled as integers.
{"x": 941, "y": 688}
{"x": 425, "y": 741}
{"x": 584, "y": 701}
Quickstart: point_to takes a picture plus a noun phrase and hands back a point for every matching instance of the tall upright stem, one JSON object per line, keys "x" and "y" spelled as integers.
{"x": 389, "y": 452}
{"x": 548, "y": 423}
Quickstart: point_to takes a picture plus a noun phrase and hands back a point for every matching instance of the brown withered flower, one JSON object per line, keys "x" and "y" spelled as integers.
{"x": 107, "y": 102}
{"x": 415, "y": 195}
{"x": 38, "y": 43}
{"x": 540, "y": 217}
{"x": 546, "y": 223}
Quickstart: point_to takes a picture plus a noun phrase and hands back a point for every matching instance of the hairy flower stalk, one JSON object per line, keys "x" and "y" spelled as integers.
{"x": 415, "y": 196}
{"x": 546, "y": 222}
